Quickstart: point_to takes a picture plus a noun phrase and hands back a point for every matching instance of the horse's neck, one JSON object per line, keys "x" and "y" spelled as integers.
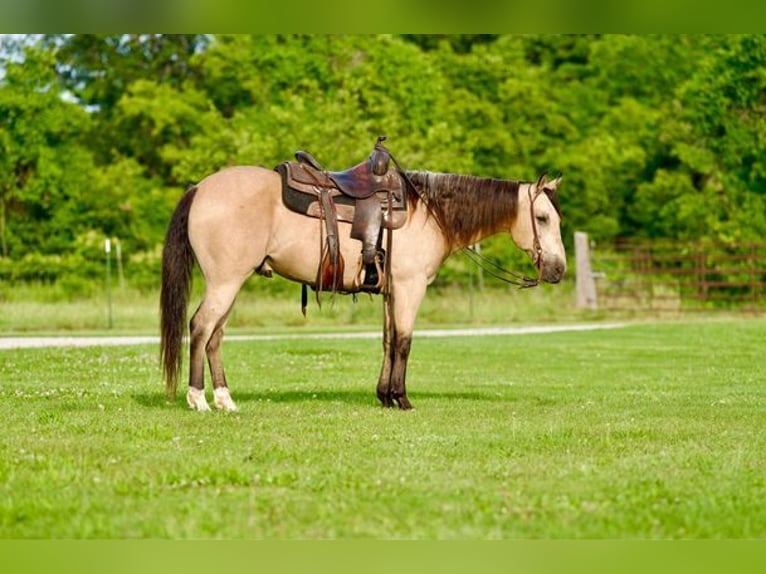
{"x": 505, "y": 216}
{"x": 481, "y": 217}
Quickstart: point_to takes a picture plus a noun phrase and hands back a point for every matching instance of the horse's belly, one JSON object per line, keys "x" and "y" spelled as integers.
{"x": 296, "y": 246}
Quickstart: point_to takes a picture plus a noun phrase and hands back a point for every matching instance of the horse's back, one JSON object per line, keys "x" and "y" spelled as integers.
{"x": 237, "y": 183}
{"x": 231, "y": 217}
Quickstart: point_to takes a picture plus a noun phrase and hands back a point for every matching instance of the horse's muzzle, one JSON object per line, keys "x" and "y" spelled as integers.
{"x": 552, "y": 269}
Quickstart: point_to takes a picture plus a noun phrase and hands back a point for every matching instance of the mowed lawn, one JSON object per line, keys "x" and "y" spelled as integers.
{"x": 650, "y": 431}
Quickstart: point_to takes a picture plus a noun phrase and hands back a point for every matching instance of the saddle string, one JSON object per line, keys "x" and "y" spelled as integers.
{"x": 327, "y": 245}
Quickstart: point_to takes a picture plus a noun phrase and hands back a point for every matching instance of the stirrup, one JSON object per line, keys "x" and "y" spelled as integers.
{"x": 366, "y": 269}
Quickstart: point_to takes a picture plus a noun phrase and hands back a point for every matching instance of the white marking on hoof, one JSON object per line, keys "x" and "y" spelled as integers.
{"x": 222, "y": 399}
{"x": 196, "y": 400}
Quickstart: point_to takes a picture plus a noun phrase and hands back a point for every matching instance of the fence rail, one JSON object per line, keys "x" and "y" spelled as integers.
{"x": 676, "y": 276}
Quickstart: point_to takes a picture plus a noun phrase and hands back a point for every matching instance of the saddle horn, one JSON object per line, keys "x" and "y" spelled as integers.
{"x": 380, "y": 157}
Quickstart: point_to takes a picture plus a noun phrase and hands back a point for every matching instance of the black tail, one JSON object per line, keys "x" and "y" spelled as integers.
{"x": 177, "y": 266}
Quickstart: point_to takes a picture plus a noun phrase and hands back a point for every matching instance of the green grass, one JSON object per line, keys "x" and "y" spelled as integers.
{"x": 35, "y": 309}
{"x": 650, "y": 431}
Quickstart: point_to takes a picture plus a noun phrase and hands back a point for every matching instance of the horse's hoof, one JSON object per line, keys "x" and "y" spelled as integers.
{"x": 404, "y": 404}
{"x": 195, "y": 398}
{"x": 386, "y": 403}
{"x": 222, "y": 400}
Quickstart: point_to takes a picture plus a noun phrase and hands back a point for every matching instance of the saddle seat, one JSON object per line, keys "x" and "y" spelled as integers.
{"x": 357, "y": 182}
{"x": 360, "y": 181}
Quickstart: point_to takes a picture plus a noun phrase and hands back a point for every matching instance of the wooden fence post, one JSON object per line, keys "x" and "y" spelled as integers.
{"x": 584, "y": 281}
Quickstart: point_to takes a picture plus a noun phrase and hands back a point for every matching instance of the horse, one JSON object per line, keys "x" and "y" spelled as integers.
{"x": 234, "y": 224}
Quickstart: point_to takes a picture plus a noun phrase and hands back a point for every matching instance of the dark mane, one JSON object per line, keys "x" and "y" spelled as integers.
{"x": 464, "y": 205}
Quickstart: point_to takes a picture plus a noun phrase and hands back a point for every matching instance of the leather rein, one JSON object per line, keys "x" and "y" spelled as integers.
{"x": 505, "y": 275}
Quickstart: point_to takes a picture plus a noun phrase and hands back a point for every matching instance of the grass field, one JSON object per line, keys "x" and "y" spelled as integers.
{"x": 36, "y": 309}
{"x": 648, "y": 431}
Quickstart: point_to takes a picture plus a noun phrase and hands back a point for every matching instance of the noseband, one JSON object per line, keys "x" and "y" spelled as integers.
{"x": 506, "y": 275}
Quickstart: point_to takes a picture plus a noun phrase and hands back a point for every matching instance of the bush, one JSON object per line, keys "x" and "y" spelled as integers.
{"x": 43, "y": 268}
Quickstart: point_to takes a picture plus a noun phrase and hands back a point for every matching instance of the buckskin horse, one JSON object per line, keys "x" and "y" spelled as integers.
{"x": 236, "y": 222}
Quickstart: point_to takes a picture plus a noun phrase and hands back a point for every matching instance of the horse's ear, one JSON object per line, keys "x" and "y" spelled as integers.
{"x": 553, "y": 185}
{"x": 542, "y": 181}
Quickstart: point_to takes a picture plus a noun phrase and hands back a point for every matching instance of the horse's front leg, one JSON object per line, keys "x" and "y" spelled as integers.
{"x": 384, "y": 382}
{"x": 407, "y": 298}
{"x": 399, "y": 372}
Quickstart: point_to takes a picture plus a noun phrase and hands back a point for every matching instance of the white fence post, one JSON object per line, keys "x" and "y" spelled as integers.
{"x": 586, "y": 285}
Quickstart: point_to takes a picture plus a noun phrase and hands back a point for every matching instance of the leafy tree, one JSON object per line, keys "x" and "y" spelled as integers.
{"x": 157, "y": 120}
{"x": 44, "y": 163}
{"x": 716, "y": 133}
{"x": 459, "y": 43}
{"x": 99, "y": 68}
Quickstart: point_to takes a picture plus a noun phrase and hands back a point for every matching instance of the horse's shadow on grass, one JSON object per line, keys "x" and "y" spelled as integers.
{"x": 362, "y": 398}
{"x": 359, "y": 398}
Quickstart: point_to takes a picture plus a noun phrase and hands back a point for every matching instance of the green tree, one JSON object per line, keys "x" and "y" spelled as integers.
{"x": 716, "y": 134}
{"x": 656, "y": 136}
{"x": 44, "y": 163}
{"x": 99, "y": 68}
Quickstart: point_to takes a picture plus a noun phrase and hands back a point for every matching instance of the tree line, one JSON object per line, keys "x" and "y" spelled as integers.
{"x": 656, "y": 136}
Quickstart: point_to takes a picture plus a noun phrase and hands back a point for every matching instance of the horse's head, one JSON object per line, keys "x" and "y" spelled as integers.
{"x": 537, "y": 228}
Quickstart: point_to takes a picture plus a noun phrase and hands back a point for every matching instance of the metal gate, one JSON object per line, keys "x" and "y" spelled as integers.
{"x": 664, "y": 275}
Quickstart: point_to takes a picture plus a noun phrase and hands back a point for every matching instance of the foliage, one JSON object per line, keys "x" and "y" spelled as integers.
{"x": 656, "y": 136}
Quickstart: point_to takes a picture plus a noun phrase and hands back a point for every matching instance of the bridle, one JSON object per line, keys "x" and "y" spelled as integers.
{"x": 539, "y": 188}
{"x": 506, "y": 275}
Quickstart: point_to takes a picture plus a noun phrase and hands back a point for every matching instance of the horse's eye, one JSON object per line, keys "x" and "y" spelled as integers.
{"x": 542, "y": 218}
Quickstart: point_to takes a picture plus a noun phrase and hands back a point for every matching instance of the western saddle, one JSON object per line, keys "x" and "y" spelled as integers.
{"x": 371, "y": 196}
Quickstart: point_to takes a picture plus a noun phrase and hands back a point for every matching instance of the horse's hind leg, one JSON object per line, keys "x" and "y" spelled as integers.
{"x": 221, "y": 396}
{"x": 198, "y": 337}
{"x": 206, "y": 333}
